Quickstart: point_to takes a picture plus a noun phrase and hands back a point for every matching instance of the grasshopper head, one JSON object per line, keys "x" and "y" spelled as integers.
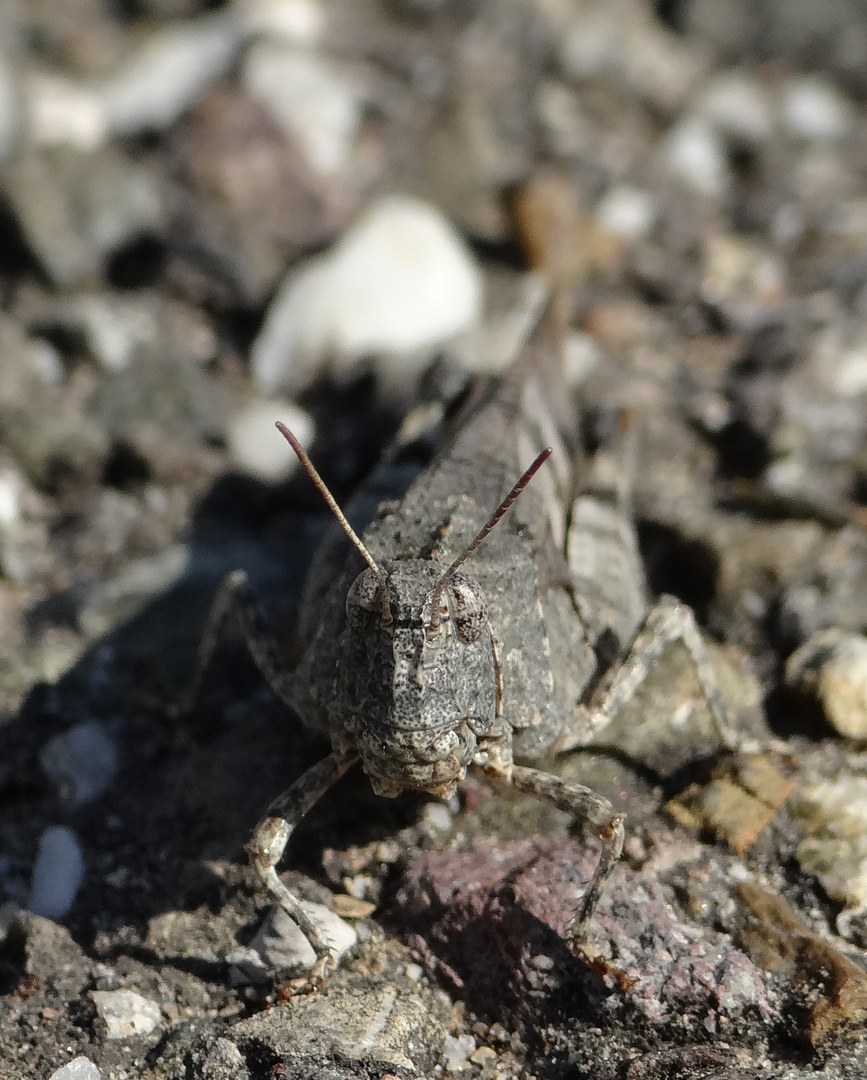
{"x": 420, "y": 690}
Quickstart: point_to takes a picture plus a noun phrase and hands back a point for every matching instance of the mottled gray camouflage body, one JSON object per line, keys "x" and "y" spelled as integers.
{"x": 418, "y": 710}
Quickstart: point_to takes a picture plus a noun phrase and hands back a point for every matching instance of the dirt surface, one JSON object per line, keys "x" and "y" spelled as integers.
{"x": 704, "y": 169}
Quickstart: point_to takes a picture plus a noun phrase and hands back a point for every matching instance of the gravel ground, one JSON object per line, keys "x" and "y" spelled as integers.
{"x": 214, "y": 215}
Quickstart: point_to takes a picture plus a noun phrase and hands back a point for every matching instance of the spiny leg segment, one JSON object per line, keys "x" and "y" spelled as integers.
{"x": 667, "y": 622}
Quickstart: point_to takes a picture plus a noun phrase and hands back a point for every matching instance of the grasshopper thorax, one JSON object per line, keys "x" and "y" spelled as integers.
{"x": 425, "y": 695}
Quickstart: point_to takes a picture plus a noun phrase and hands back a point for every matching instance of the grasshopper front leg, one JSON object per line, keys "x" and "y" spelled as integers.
{"x": 271, "y": 835}
{"x": 235, "y": 601}
{"x": 594, "y": 813}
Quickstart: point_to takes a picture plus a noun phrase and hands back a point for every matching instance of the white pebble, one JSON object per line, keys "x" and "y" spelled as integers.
{"x": 283, "y": 947}
{"x": 80, "y": 1068}
{"x": 311, "y": 97}
{"x": 815, "y": 111}
{"x": 627, "y": 212}
{"x": 694, "y": 154}
{"x": 832, "y": 667}
{"x": 834, "y": 815}
{"x": 60, "y": 111}
{"x": 126, "y": 1013}
{"x": 170, "y": 73}
{"x": 299, "y": 22}
{"x": 258, "y": 449}
{"x": 57, "y": 873}
{"x": 114, "y": 330}
{"x": 456, "y": 1051}
{"x": 436, "y": 817}
{"x": 10, "y": 497}
{"x": 82, "y": 761}
{"x": 398, "y": 284}
{"x": 739, "y": 106}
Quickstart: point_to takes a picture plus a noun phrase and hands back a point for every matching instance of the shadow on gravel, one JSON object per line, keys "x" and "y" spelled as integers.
{"x": 187, "y": 792}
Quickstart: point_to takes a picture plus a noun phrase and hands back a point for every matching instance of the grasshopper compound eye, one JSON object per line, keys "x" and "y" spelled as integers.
{"x": 365, "y": 592}
{"x": 469, "y": 609}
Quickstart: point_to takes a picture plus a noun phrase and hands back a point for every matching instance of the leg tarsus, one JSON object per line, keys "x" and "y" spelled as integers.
{"x": 596, "y": 815}
{"x": 269, "y": 840}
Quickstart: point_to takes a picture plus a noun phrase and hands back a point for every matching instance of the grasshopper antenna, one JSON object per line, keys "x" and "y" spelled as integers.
{"x": 354, "y": 538}
{"x": 491, "y": 523}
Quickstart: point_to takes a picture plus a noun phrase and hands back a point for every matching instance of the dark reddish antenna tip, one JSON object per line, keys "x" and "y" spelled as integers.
{"x": 491, "y": 523}
{"x": 354, "y": 538}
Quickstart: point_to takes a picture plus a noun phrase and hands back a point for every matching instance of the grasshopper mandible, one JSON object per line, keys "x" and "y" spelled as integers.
{"x": 423, "y": 670}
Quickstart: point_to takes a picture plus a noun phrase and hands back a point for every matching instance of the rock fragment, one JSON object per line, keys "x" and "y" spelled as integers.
{"x": 283, "y": 947}
{"x": 380, "y": 1024}
{"x": 80, "y": 1068}
{"x": 833, "y": 987}
{"x": 400, "y": 283}
{"x": 257, "y": 449}
{"x": 126, "y": 1013}
{"x": 57, "y": 873}
{"x": 492, "y": 919}
{"x": 82, "y": 762}
{"x": 833, "y": 813}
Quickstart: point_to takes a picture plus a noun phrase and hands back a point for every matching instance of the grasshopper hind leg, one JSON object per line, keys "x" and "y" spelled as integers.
{"x": 667, "y": 622}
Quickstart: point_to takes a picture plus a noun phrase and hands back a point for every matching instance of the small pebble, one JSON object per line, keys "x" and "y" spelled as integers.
{"x": 126, "y": 1013}
{"x": 694, "y": 154}
{"x": 483, "y": 1055}
{"x": 738, "y": 106}
{"x": 436, "y": 817}
{"x": 115, "y": 330}
{"x": 282, "y": 946}
{"x": 80, "y": 1068}
{"x": 815, "y": 111}
{"x": 170, "y": 73}
{"x": 57, "y": 873}
{"x": 82, "y": 762}
{"x": 312, "y": 98}
{"x": 61, "y": 111}
{"x": 627, "y": 212}
{"x": 401, "y": 282}
{"x": 299, "y": 22}
{"x": 742, "y": 277}
{"x": 456, "y": 1051}
{"x": 258, "y": 449}
{"x": 831, "y": 667}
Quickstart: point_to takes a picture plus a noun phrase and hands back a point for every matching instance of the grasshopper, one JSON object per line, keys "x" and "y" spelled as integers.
{"x": 422, "y": 670}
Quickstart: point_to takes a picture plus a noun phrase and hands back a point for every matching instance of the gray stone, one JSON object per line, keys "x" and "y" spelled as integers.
{"x": 57, "y": 873}
{"x": 126, "y": 1013}
{"x": 380, "y": 1024}
{"x": 80, "y": 1068}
